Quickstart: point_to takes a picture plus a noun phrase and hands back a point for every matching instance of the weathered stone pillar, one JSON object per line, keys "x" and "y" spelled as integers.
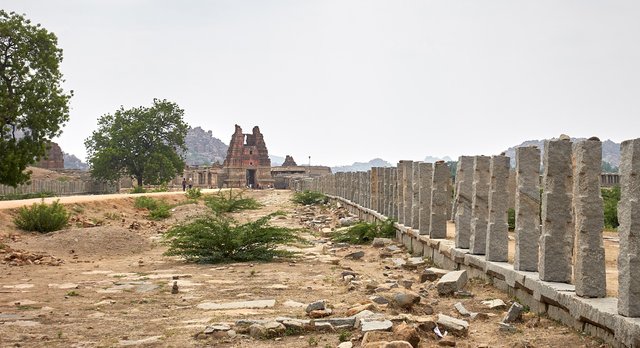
{"x": 399, "y": 190}
{"x": 589, "y": 276}
{"x": 425, "y": 179}
{"x": 383, "y": 176}
{"x": 527, "y": 205}
{"x": 498, "y": 228}
{"x": 556, "y": 241}
{"x": 407, "y": 192}
{"x": 393, "y": 195}
{"x": 464, "y": 194}
{"x": 629, "y": 229}
{"x": 479, "y": 205}
{"x": 439, "y": 200}
{"x": 415, "y": 205}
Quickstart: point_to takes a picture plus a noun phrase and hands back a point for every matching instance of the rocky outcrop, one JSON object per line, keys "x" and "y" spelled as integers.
{"x": 203, "y": 148}
{"x": 289, "y": 162}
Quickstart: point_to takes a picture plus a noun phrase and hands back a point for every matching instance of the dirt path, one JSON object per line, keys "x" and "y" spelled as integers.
{"x": 114, "y": 287}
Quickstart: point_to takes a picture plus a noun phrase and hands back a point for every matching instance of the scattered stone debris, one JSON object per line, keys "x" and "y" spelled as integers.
{"x": 15, "y": 257}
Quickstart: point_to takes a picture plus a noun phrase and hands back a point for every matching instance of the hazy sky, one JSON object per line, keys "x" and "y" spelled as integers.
{"x": 344, "y": 81}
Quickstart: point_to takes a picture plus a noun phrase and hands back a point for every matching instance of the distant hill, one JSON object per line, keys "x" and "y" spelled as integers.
{"x": 610, "y": 150}
{"x": 73, "y": 162}
{"x": 276, "y": 160}
{"x": 432, "y": 159}
{"x": 203, "y": 148}
{"x": 362, "y": 166}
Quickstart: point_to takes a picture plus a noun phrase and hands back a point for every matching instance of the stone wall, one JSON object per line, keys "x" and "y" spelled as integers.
{"x": 570, "y": 235}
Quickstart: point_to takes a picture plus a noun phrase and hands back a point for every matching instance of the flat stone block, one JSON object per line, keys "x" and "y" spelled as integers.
{"x": 237, "y": 305}
{"x": 451, "y": 282}
{"x": 476, "y": 261}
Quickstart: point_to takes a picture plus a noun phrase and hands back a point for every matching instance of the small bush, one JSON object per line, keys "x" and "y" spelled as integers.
{"x": 42, "y": 217}
{"x": 222, "y": 203}
{"x": 193, "y": 193}
{"x": 309, "y": 197}
{"x": 365, "y": 232}
{"x": 138, "y": 189}
{"x": 611, "y": 197}
{"x": 511, "y": 219}
{"x": 164, "y": 187}
{"x": 215, "y": 239}
{"x": 157, "y": 209}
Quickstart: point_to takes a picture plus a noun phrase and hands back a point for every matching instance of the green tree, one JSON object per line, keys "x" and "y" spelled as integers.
{"x": 144, "y": 142}
{"x": 33, "y": 106}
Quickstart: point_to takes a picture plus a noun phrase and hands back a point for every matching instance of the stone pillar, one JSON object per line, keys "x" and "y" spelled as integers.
{"x": 556, "y": 241}
{"x": 407, "y": 192}
{"x": 383, "y": 176}
{"x": 629, "y": 230}
{"x": 398, "y": 192}
{"x": 439, "y": 201}
{"x": 380, "y": 198}
{"x": 479, "y": 205}
{"x": 464, "y": 193}
{"x": 527, "y": 206}
{"x": 425, "y": 179}
{"x": 498, "y": 228}
{"x": 415, "y": 205}
{"x": 589, "y": 276}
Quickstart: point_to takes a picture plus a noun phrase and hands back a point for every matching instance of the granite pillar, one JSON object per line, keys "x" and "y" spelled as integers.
{"x": 399, "y": 192}
{"x": 464, "y": 194}
{"x": 479, "y": 205}
{"x": 498, "y": 228}
{"x": 556, "y": 240}
{"x": 425, "y": 179}
{"x": 629, "y": 229}
{"x": 415, "y": 205}
{"x": 527, "y": 206}
{"x": 439, "y": 201}
{"x": 589, "y": 273}
{"x": 407, "y": 192}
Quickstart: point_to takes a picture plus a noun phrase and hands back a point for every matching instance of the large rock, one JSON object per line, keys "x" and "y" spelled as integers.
{"x": 514, "y": 313}
{"x": 317, "y": 305}
{"x": 451, "y": 282}
{"x": 432, "y": 274}
{"x": 374, "y": 324}
{"x": 408, "y": 333}
{"x": 405, "y": 299}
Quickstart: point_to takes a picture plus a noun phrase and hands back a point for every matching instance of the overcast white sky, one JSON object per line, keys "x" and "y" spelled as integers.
{"x": 344, "y": 81}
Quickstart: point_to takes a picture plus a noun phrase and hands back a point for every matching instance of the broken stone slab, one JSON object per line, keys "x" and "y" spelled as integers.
{"x": 317, "y": 305}
{"x": 495, "y": 304}
{"x": 457, "y": 327}
{"x": 460, "y": 308}
{"x": 451, "y": 282}
{"x": 215, "y": 328}
{"x": 357, "y": 309}
{"x": 372, "y": 324}
{"x": 345, "y": 345}
{"x": 399, "y": 262}
{"x": 414, "y": 262}
{"x": 366, "y": 315}
{"x": 355, "y": 256}
{"x": 432, "y": 274}
{"x": 293, "y": 304}
{"x": 507, "y": 327}
{"x": 379, "y": 299}
{"x": 514, "y": 313}
{"x": 320, "y": 313}
{"x": 255, "y": 304}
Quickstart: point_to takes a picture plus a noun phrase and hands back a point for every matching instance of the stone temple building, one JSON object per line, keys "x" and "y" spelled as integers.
{"x": 247, "y": 163}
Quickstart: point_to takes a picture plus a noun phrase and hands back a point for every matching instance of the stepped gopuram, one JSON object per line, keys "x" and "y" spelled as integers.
{"x": 247, "y": 163}
{"x": 54, "y": 159}
{"x": 554, "y": 262}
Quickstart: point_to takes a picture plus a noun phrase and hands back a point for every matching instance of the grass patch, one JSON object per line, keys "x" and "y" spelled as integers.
{"x": 365, "y": 232}
{"x": 158, "y": 209}
{"x": 309, "y": 198}
{"x": 215, "y": 239}
{"x": 138, "y": 189}
{"x": 222, "y": 203}
{"x": 20, "y": 196}
{"x": 42, "y": 217}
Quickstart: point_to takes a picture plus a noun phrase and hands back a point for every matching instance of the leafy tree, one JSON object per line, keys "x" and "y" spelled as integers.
{"x": 33, "y": 106}
{"x": 144, "y": 142}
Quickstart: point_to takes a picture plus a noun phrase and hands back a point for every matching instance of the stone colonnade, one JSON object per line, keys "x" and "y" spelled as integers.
{"x": 558, "y": 227}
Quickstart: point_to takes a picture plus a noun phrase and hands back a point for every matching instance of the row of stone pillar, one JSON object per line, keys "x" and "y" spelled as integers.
{"x": 558, "y": 224}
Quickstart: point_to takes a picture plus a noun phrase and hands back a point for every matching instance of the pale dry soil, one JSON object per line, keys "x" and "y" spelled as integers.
{"x": 114, "y": 286}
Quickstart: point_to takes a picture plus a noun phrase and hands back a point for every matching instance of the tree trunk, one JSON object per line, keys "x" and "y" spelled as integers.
{"x": 139, "y": 178}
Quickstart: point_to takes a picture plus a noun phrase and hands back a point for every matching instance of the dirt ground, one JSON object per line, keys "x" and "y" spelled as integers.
{"x": 109, "y": 285}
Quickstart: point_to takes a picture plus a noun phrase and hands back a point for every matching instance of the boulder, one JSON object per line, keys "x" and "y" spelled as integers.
{"x": 408, "y": 333}
{"x": 405, "y": 299}
{"x": 451, "y": 282}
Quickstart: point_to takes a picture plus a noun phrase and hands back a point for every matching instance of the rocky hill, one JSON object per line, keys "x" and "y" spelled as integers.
{"x": 610, "y": 150}
{"x": 73, "y": 162}
{"x": 203, "y": 148}
{"x": 362, "y": 166}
